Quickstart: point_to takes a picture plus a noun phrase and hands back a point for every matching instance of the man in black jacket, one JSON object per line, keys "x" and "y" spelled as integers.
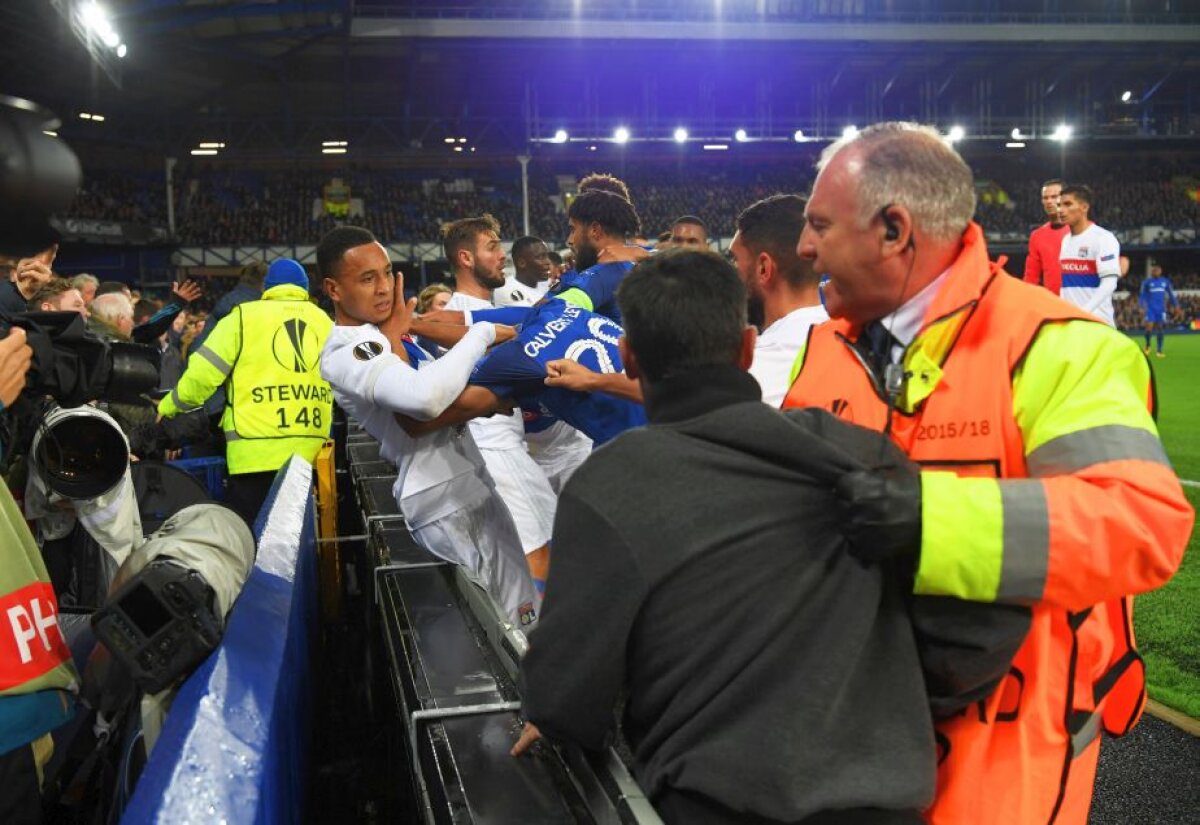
{"x": 700, "y": 569}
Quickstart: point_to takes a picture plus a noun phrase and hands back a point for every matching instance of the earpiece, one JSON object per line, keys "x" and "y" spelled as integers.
{"x": 892, "y": 231}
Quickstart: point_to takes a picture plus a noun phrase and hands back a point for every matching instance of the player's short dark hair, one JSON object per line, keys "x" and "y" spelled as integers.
{"x": 109, "y": 288}
{"x": 1079, "y": 192}
{"x": 683, "y": 310}
{"x": 1054, "y": 182}
{"x": 523, "y": 243}
{"x": 334, "y": 245}
{"x": 597, "y": 182}
{"x": 555, "y": 258}
{"x": 461, "y": 234}
{"x": 773, "y": 225}
{"x": 693, "y": 221}
{"x": 615, "y": 215}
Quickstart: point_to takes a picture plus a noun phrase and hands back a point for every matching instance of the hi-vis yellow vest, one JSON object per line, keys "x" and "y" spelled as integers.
{"x": 277, "y": 403}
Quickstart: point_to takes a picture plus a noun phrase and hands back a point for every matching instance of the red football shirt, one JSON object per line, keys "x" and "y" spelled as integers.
{"x": 1041, "y": 265}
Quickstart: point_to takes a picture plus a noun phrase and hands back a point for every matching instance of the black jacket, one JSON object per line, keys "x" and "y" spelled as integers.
{"x": 697, "y": 564}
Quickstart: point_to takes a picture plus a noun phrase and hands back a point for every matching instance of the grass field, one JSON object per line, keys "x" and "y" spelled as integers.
{"x": 1167, "y": 621}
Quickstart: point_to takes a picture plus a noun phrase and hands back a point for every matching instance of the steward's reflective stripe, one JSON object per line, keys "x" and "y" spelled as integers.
{"x": 211, "y": 357}
{"x": 1026, "y": 553}
{"x": 962, "y": 525}
{"x": 1083, "y": 729}
{"x": 179, "y": 403}
{"x": 1112, "y": 442}
{"x": 231, "y": 435}
{"x": 578, "y": 297}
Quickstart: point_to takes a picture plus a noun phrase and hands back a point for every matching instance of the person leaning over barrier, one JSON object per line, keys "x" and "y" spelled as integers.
{"x": 1039, "y": 478}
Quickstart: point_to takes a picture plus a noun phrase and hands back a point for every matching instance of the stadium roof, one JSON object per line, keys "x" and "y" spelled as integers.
{"x": 278, "y": 77}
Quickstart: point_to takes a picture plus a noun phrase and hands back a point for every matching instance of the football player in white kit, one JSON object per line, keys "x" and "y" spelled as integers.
{"x": 477, "y": 259}
{"x": 442, "y": 488}
{"x": 1090, "y": 257}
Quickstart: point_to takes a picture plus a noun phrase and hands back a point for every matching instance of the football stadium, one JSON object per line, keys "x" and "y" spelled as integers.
{"x": 600, "y": 411}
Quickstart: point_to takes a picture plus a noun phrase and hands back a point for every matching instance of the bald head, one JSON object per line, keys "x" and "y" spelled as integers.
{"x": 905, "y": 164}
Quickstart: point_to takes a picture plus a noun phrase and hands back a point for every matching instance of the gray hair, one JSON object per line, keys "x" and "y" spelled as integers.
{"x": 112, "y": 307}
{"x": 910, "y": 165}
{"x": 83, "y": 278}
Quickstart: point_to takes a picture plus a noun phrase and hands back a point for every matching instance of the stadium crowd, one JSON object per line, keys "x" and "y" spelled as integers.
{"x": 802, "y": 606}
{"x": 221, "y": 207}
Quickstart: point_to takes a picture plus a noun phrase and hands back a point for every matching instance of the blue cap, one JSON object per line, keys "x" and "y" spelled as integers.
{"x": 285, "y": 271}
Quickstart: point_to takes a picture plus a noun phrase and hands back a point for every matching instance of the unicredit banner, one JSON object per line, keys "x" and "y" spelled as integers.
{"x": 90, "y": 230}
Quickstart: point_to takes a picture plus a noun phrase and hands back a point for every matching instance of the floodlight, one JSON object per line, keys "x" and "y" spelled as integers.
{"x": 122, "y": 50}
{"x": 1062, "y": 133}
{"x": 204, "y": 151}
{"x": 341, "y": 150}
{"x": 716, "y": 147}
{"x": 212, "y": 144}
{"x": 335, "y": 143}
{"x": 462, "y": 140}
{"x": 50, "y": 132}
{"x": 681, "y": 135}
{"x": 591, "y": 148}
{"x": 740, "y": 136}
{"x": 956, "y": 134}
{"x": 447, "y": 140}
{"x": 98, "y": 118}
{"x": 850, "y": 131}
{"x": 621, "y": 135}
{"x": 798, "y": 135}
{"x": 1015, "y": 144}
{"x": 1016, "y": 134}
{"x": 560, "y": 136}
{"x": 1126, "y": 97}
{"x": 458, "y": 148}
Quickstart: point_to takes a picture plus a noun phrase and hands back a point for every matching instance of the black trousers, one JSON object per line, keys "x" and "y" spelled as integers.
{"x": 246, "y": 492}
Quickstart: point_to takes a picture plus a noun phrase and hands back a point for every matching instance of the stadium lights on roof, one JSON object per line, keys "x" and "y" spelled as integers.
{"x": 1015, "y": 144}
{"x": 339, "y": 150}
{"x": 335, "y": 143}
{"x": 740, "y": 136}
{"x": 204, "y": 151}
{"x": 462, "y": 140}
{"x": 681, "y": 135}
{"x": 621, "y": 135}
{"x": 458, "y": 148}
{"x": 1062, "y": 133}
{"x": 850, "y": 131}
{"x": 716, "y": 147}
{"x": 212, "y": 145}
{"x": 798, "y": 135}
{"x": 1125, "y": 97}
{"x": 560, "y": 136}
{"x": 448, "y": 140}
{"x": 97, "y": 21}
{"x": 50, "y": 132}
{"x": 591, "y": 148}
{"x": 956, "y": 134}
{"x": 1016, "y": 134}
{"x": 89, "y": 116}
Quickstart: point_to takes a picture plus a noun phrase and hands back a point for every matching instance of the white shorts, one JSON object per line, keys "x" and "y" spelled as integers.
{"x": 481, "y": 538}
{"x": 559, "y": 450}
{"x": 523, "y": 488}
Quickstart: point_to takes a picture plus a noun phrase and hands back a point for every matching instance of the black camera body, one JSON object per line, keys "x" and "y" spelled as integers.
{"x": 160, "y": 624}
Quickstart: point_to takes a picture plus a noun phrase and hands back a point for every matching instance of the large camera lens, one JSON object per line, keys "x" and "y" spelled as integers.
{"x": 81, "y": 454}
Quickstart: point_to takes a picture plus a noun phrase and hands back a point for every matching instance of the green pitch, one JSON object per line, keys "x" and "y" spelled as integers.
{"x": 1167, "y": 621}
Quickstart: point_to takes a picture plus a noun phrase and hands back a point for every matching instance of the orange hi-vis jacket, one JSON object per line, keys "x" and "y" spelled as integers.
{"x": 1043, "y": 483}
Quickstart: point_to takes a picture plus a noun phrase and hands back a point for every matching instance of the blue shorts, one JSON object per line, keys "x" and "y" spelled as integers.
{"x": 1156, "y": 316}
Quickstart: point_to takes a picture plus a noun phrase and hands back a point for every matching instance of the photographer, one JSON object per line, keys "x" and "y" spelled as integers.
{"x": 25, "y": 278}
{"x": 37, "y": 679}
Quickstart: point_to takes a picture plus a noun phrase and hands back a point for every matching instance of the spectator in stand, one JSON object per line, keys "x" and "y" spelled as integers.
{"x": 25, "y": 278}
{"x": 87, "y": 285}
{"x": 114, "y": 288}
{"x": 170, "y": 358}
{"x": 58, "y": 295}
{"x": 1041, "y": 264}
